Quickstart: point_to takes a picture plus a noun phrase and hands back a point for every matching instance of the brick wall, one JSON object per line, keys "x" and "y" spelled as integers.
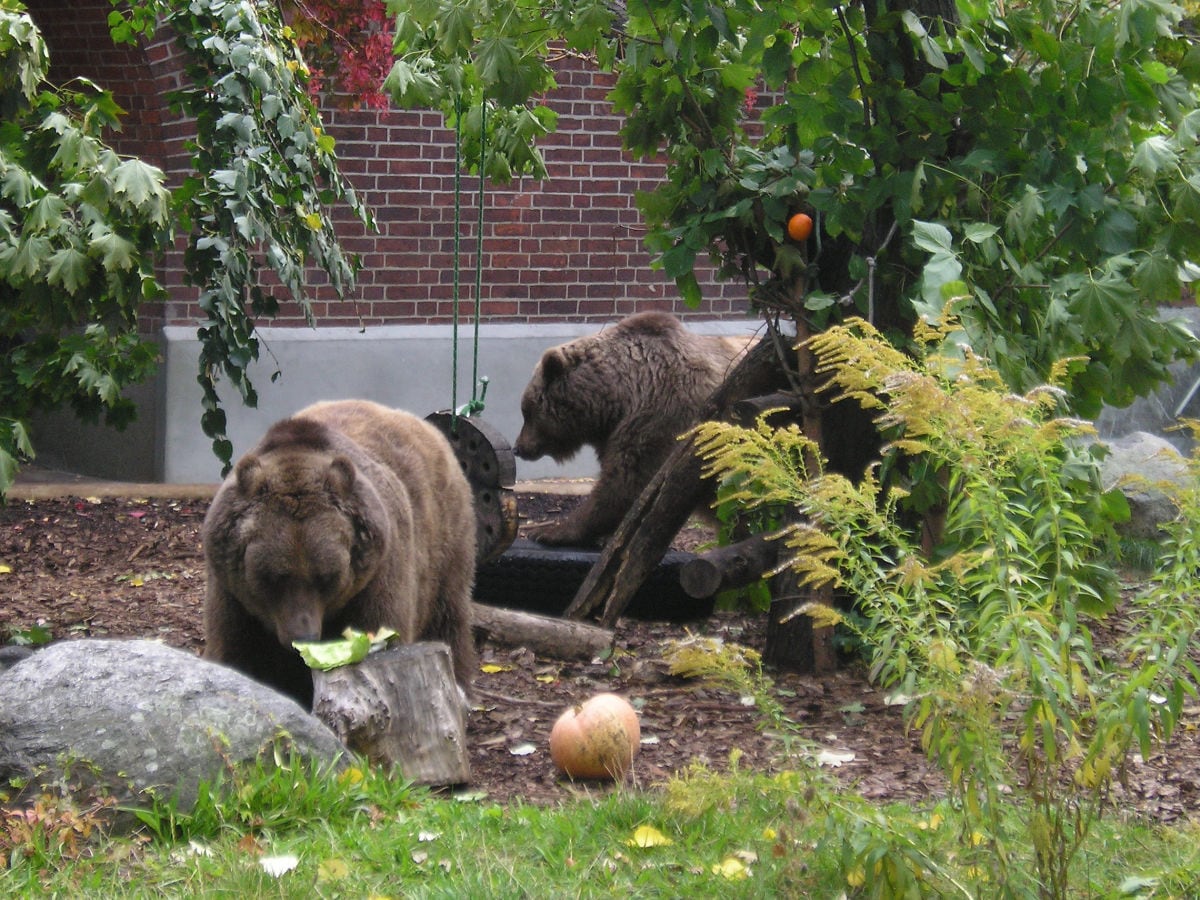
{"x": 569, "y": 248}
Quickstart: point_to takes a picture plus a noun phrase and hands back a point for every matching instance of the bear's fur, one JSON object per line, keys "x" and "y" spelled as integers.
{"x": 629, "y": 391}
{"x": 348, "y": 514}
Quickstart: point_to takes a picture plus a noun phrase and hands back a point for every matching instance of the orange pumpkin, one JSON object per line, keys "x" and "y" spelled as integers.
{"x": 596, "y": 739}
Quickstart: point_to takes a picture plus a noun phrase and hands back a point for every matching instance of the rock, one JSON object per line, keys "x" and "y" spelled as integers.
{"x": 143, "y": 718}
{"x": 1145, "y": 466}
{"x": 11, "y": 654}
{"x": 1159, "y": 412}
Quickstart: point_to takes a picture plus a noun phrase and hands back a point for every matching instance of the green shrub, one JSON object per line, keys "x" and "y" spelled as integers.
{"x": 985, "y": 634}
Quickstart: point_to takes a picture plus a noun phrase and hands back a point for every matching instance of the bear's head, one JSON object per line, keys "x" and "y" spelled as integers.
{"x": 307, "y": 540}
{"x": 565, "y": 405}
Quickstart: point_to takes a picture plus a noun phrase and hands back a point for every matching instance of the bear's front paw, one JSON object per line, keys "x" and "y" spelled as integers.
{"x": 561, "y": 534}
{"x": 549, "y": 533}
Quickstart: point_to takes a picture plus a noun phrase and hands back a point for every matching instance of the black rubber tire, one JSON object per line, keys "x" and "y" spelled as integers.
{"x": 539, "y": 579}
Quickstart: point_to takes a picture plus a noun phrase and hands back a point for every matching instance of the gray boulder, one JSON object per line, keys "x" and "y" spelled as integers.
{"x": 1146, "y": 468}
{"x": 140, "y": 717}
{"x": 11, "y": 654}
{"x": 1159, "y": 413}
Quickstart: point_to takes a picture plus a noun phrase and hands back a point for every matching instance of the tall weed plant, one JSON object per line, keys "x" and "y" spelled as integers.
{"x": 985, "y": 635}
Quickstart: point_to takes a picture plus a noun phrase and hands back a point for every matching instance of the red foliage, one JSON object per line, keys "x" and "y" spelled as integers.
{"x": 751, "y": 101}
{"x": 347, "y": 45}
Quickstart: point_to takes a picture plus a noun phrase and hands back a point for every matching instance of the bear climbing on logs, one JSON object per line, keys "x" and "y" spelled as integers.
{"x": 348, "y": 514}
{"x": 628, "y": 391}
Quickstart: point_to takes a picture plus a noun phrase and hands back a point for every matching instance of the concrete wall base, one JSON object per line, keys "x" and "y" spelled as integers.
{"x": 406, "y": 366}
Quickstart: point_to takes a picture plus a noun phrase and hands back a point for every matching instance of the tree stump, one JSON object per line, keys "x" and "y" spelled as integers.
{"x": 793, "y": 644}
{"x": 400, "y": 706}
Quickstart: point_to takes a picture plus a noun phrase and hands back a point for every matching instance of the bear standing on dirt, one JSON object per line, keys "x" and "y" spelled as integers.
{"x": 348, "y": 514}
{"x": 629, "y": 391}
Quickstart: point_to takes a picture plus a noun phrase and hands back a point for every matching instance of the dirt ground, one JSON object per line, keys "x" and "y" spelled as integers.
{"x": 84, "y": 566}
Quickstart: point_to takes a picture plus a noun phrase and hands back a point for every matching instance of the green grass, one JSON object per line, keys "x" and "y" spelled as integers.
{"x": 741, "y": 835}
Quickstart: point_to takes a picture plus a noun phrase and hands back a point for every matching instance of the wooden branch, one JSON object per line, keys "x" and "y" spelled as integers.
{"x": 666, "y": 502}
{"x": 734, "y": 566}
{"x": 544, "y": 635}
{"x": 746, "y": 412}
{"x": 400, "y": 706}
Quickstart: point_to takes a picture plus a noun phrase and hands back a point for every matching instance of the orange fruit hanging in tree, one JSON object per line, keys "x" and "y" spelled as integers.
{"x": 800, "y": 226}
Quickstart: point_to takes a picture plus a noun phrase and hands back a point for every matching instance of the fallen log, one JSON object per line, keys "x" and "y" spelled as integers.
{"x": 545, "y": 636}
{"x": 733, "y": 566}
{"x": 400, "y": 706}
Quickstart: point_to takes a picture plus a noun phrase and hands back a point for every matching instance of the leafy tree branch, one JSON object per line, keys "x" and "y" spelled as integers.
{"x": 264, "y": 180}
{"x": 80, "y": 229}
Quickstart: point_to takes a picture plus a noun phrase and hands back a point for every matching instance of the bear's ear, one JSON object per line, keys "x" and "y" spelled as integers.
{"x": 340, "y": 477}
{"x": 250, "y": 476}
{"x": 555, "y": 363}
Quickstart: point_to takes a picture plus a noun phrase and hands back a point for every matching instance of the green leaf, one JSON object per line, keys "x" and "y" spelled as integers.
{"x": 455, "y": 28}
{"x": 115, "y": 252}
{"x": 1154, "y": 155}
{"x": 142, "y": 186}
{"x": 46, "y": 214}
{"x": 69, "y": 268}
{"x": 410, "y": 87}
{"x": 507, "y": 77}
{"x": 979, "y": 232}
{"x": 1116, "y": 233}
{"x": 932, "y": 237}
{"x": 679, "y": 260}
{"x": 1156, "y": 72}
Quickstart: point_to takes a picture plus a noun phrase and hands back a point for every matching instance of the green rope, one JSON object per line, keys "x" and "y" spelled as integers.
{"x": 478, "y": 384}
{"x": 457, "y": 242}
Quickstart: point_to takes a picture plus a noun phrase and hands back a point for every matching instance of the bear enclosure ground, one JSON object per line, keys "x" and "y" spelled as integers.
{"x": 133, "y": 567}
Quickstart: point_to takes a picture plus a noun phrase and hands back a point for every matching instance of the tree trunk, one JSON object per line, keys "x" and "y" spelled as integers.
{"x": 792, "y": 642}
{"x": 666, "y": 502}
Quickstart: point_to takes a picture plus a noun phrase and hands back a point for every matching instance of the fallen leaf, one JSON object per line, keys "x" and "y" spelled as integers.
{"x": 648, "y": 836}
{"x": 522, "y": 749}
{"x": 279, "y": 865}
{"x": 834, "y": 758}
{"x": 732, "y": 868}
{"x": 4, "y": 570}
{"x": 492, "y": 668}
{"x": 332, "y": 870}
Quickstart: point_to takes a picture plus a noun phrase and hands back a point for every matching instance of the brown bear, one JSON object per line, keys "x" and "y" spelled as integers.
{"x": 348, "y": 514}
{"x": 629, "y": 391}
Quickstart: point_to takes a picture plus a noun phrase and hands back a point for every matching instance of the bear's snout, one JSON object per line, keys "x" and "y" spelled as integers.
{"x": 298, "y": 625}
{"x": 526, "y": 447}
